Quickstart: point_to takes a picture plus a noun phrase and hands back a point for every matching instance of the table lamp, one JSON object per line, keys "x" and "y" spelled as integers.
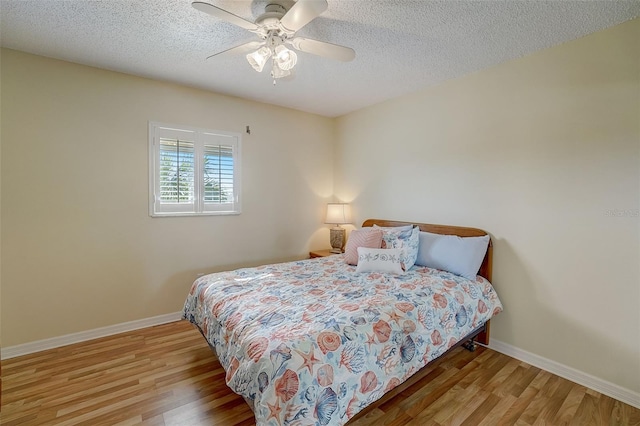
{"x": 337, "y": 214}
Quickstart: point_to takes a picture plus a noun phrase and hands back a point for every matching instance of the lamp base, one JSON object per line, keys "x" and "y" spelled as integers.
{"x": 337, "y": 236}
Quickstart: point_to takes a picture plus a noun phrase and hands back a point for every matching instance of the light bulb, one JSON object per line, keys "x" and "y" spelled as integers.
{"x": 285, "y": 58}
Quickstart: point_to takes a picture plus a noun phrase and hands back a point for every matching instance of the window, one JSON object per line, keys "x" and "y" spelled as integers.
{"x": 193, "y": 171}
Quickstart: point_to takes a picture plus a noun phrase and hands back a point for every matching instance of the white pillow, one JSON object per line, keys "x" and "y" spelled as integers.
{"x": 459, "y": 255}
{"x": 379, "y": 260}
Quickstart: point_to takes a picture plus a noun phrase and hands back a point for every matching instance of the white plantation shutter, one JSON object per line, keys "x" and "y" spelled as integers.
{"x": 177, "y": 173}
{"x": 218, "y": 173}
{"x": 220, "y": 170}
{"x": 193, "y": 171}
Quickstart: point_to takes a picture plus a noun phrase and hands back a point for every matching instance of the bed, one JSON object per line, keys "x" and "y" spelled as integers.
{"x": 313, "y": 342}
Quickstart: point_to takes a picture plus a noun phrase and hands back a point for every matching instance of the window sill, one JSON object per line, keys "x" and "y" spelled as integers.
{"x": 183, "y": 214}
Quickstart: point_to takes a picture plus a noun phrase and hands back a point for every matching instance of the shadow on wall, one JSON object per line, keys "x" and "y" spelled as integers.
{"x": 179, "y": 284}
{"x": 530, "y": 322}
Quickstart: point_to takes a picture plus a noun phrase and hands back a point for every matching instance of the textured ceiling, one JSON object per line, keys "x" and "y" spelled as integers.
{"x": 401, "y": 45}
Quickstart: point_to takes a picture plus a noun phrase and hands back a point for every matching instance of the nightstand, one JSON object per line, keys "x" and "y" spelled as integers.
{"x": 320, "y": 253}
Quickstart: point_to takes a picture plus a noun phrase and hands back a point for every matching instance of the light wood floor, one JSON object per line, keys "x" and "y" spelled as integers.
{"x": 167, "y": 375}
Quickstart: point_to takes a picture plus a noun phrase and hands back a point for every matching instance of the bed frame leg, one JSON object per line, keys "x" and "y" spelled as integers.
{"x": 470, "y": 345}
{"x": 483, "y": 337}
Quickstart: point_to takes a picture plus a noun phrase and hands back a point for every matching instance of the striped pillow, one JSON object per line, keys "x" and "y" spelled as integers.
{"x": 369, "y": 238}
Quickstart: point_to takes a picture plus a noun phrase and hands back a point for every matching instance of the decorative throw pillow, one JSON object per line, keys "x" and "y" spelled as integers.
{"x": 369, "y": 238}
{"x": 386, "y": 261}
{"x": 405, "y": 238}
{"x": 458, "y": 255}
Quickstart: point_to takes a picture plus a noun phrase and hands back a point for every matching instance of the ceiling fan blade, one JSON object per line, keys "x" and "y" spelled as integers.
{"x": 224, "y": 15}
{"x": 243, "y": 48}
{"x": 321, "y": 48}
{"x": 301, "y": 13}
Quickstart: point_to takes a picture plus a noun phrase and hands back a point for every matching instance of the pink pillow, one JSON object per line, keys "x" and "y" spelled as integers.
{"x": 369, "y": 238}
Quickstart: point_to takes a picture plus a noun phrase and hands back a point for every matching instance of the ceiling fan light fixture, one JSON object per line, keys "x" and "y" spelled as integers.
{"x": 277, "y": 72}
{"x": 276, "y": 27}
{"x": 259, "y": 58}
{"x": 285, "y": 58}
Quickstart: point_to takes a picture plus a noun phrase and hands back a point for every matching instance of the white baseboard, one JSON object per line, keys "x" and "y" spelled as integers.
{"x": 55, "y": 342}
{"x": 604, "y": 387}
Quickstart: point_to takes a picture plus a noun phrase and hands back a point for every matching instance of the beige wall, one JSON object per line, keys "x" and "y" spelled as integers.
{"x": 536, "y": 151}
{"x": 79, "y": 250}
{"x": 0, "y": 214}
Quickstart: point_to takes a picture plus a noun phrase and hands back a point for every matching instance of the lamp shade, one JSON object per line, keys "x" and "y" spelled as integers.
{"x": 259, "y": 58}
{"x": 338, "y": 213}
{"x": 277, "y": 72}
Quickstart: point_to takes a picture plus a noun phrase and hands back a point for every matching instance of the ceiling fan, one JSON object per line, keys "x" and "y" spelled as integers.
{"x": 276, "y": 28}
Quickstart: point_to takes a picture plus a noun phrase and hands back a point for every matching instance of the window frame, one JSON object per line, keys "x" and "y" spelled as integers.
{"x": 200, "y": 138}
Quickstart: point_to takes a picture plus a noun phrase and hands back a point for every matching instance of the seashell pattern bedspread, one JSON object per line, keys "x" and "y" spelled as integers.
{"x": 313, "y": 342}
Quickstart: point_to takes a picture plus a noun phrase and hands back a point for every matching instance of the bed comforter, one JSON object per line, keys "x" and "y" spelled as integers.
{"x": 313, "y": 342}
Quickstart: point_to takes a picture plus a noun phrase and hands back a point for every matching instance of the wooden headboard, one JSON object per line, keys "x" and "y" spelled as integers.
{"x": 485, "y": 268}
